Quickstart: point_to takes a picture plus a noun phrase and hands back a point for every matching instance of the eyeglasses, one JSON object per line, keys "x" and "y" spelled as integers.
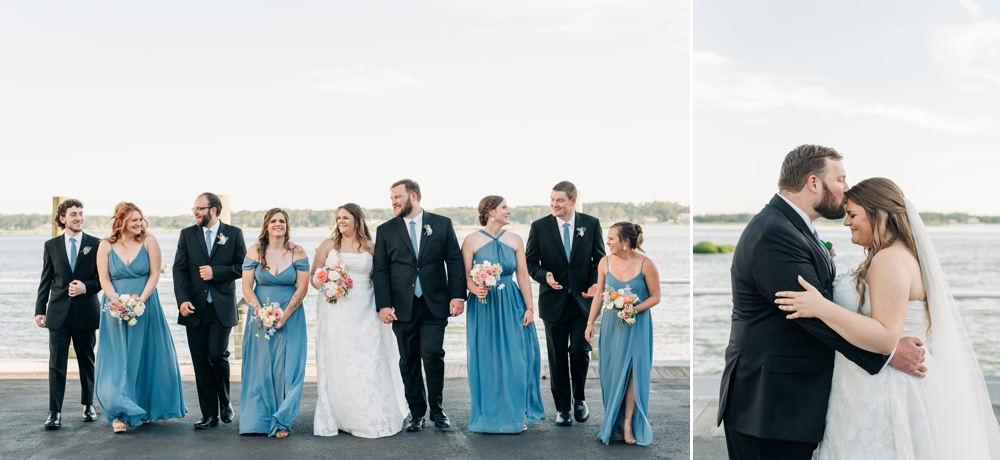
{"x": 200, "y": 208}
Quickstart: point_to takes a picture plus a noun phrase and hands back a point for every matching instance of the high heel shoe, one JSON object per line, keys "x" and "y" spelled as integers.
{"x": 627, "y": 435}
{"x": 118, "y": 426}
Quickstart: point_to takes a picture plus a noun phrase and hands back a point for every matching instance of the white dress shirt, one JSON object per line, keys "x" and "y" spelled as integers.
{"x": 69, "y": 246}
{"x": 419, "y": 219}
{"x": 215, "y": 233}
{"x": 572, "y": 228}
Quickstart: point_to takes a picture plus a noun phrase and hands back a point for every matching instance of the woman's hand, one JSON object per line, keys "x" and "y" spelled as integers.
{"x": 277, "y": 325}
{"x": 529, "y": 317}
{"x": 589, "y": 333}
{"x": 481, "y": 291}
{"x": 806, "y": 304}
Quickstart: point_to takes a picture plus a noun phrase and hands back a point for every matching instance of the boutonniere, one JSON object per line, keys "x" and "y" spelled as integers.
{"x": 829, "y": 247}
{"x": 428, "y": 230}
{"x": 580, "y": 231}
{"x": 86, "y": 250}
{"x": 222, "y": 239}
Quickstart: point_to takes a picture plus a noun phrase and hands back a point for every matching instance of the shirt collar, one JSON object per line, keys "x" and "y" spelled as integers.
{"x": 214, "y": 228}
{"x": 419, "y": 219}
{"x": 802, "y": 213}
{"x": 571, "y": 221}
{"x": 78, "y": 237}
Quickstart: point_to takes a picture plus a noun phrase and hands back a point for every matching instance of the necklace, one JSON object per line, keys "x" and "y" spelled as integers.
{"x": 626, "y": 264}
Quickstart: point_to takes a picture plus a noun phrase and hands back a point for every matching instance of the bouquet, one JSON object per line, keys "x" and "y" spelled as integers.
{"x": 622, "y": 300}
{"x": 126, "y": 308}
{"x": 334, "y": 281}
{"x": 265, "y": 317}
{"x": 486, "y": 275}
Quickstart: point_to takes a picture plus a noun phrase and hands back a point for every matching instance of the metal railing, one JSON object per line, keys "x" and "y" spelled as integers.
{"x": 956, "y": 293}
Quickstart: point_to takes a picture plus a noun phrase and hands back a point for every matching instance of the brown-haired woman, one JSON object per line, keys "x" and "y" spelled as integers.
{"x": 899, "y": 290}
{"x": 626, "y": 350}
{"x": 503, "y": 352}
{"x": 274, "y": 368}
{"x": 138, "y": 380}
{"x": 355, "y": 353}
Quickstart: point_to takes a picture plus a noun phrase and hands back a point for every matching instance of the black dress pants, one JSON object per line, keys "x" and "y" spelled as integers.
{"x": 569, "y": 355}
{"x": 421, "y": 339}
{"x": 83, "y": 345}
{"x": 745, "y": 447}
{"x": 209, "y": 345}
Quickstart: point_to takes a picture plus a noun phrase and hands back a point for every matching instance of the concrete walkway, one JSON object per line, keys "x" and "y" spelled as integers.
{"x": 25, "y": 403}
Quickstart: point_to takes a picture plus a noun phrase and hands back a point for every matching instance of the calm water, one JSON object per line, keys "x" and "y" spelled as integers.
{"x": 21, "y": 257}
{"x": 969, "y": 254}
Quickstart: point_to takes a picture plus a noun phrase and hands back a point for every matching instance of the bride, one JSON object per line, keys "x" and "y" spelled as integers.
{"x": 359, "y": 388}
{"x": 899, "y": 290}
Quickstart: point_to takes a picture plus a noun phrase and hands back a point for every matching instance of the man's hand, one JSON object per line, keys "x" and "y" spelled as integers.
{"x": 552, "y": 281}
{"x": 40, "y": 320}
{"x": 76, "y": 287}
{"x": 457, "y": 306}
{"x": 909, "y": 357}
{"x": 590, "y": 292}
{"x": 187, "y": 309}
{"x": 387, "y": 315}
{"x": 206, "y": 272}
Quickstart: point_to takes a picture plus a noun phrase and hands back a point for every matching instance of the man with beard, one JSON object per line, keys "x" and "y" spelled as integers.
{"x": 209, "y": 259}
{"x": 776, "y": 384}
{"x": 419, "y": 281}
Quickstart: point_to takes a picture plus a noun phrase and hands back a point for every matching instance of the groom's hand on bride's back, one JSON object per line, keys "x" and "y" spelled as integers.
{"x": 909, "y": 357}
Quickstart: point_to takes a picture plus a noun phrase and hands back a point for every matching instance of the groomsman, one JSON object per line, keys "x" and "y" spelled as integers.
{"x": 67, "y": 305}
{"x": 562, "y": 255}
{"x": 208, "y": 262}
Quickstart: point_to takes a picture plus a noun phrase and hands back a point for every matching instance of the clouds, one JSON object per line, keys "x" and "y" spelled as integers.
{"x": 721, "y": 82}
{"x": 970, "y": 54}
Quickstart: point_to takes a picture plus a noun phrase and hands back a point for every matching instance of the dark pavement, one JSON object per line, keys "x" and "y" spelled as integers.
{"x": 25, "y": 405}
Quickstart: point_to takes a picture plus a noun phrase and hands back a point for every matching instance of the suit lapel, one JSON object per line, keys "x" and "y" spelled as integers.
{"x": 200, "y": 237}
{"x": 405, "y": 234}
{"x": 553, "y": 226}
{"x": 215, "y": 243}
{"x": 424, "y": 237}
{"x": 575, "y": 237}
{"x": 61, "y": 250}
{"x": 800, "y": 224}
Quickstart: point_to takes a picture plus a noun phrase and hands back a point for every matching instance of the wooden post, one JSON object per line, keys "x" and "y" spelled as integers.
{"x": 56, "y": 231}
{"x": 578, "y": 207}
{"x": 241, "y": 315}
{"x": 227, "y": 212}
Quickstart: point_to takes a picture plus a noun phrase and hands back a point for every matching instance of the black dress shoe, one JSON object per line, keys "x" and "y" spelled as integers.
{"x": 441, "y": 420}
{"x": 89, "y": 415}
{"x": 416, "y": 424}
{"x": 206, "y": 422}
{"x": 580, "y": 412}
{"x": 54, "y": 421}
{"x": 227, "y": 414}
{"x": 563, "y": 419}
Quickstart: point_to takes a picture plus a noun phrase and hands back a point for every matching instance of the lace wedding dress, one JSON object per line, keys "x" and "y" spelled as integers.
{"x": 358, "y": 383}
{"x": 945, "y": 415}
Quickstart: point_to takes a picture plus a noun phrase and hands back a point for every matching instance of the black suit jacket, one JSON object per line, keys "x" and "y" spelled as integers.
{"x": 53, "y": 291}
{"x": 227, "y": 266}
{"x": 544, "y": 253}
{"x": 776, "y": 383}
{"x": 441, "y": 269}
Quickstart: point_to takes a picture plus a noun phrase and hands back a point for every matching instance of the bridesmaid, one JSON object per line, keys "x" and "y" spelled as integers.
{"x": 626, "y": 352}
{"x": 138, "y": 379}
{"x": 274, "y": 370}
{"x": 503, "y": 358}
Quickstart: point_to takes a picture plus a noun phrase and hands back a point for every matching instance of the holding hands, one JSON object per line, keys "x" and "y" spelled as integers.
{"x": 387, "y": 315}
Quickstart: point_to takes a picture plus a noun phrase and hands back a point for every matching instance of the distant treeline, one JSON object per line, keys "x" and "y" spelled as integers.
{"x": 929, "y": 218}
{"x": 657, "y": 211}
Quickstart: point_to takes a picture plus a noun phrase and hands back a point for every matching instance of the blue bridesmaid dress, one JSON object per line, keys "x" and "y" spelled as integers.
{"x": 626, "y": 350}
{"x": 273, "y": 370}
{"x": 137, "y": 375}
{"x": 503, "y": 360}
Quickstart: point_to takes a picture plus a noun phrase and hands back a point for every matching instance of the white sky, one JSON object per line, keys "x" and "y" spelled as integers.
{"x": 908, "y": 90}
{"x": 313, "y": 104}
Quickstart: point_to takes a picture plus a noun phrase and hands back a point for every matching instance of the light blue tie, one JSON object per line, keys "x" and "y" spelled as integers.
{"x": 416, "y": 253}
{"x": 208, "y": 245}
{"x": 72, "y": 254}
{"x": 566, "y": 239}
{"x": 825, "y": 249}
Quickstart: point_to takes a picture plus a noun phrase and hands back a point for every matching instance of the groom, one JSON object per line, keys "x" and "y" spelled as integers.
{"x": 776, "y": 384}
{"x": 419, "y": 279}
{"x": 67, "y": 305}
{"x": 209, "y": 259}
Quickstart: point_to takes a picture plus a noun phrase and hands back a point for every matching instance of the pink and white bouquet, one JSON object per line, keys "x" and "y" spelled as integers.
{"x": 622, "y": 300}
{"x": 265, "y": 316}
{"x": 334, "y": 281}
{"x": 126, "y": 308}
{"x": 486, "y": 275}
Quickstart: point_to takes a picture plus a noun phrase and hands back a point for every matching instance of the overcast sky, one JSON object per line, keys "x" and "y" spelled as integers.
{"x": 313, "y": 104}
{"x": 908, "y": 90}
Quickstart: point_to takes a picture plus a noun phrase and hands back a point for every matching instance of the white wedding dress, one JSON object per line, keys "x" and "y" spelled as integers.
{"x": 892, "y": 415}
{"x": 358, "y": 383}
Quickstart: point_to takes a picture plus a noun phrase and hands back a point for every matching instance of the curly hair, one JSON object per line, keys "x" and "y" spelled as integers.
{"x": 61, "y": 210}
{"x": 123, "y": 213}
{"x": 263, "y": 241}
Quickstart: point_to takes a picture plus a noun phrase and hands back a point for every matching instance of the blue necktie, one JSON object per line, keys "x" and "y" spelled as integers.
{"x": 416, "y": 254}
{"x": 208, "y": 245}
{"x": 566, "y": 239}
{"x": 825, "y": 249}
{"x": 72, "y": 254}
